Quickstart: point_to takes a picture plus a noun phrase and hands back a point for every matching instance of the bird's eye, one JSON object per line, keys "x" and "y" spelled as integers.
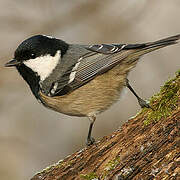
{"x": 33, "y": 56}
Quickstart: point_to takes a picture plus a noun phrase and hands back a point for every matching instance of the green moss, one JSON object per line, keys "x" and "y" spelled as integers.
{"x": 110, "y": 166}
{"x": 89, "y": 176}
{"x": 165, "y": 101}
{"x": 178, "y": 72}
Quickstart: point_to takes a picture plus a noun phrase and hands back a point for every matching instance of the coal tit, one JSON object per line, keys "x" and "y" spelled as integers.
{"x": 79, "y": 80}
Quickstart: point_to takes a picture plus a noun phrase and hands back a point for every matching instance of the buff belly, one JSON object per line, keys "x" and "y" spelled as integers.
{"x": 92, "y": 98}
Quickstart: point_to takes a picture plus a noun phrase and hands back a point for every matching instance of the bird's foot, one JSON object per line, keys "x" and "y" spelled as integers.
{"x": 144, "y": 104}
{"x": 90, "y": 141}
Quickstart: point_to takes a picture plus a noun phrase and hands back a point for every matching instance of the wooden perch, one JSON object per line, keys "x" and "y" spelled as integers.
{"x": 144, "y": 148}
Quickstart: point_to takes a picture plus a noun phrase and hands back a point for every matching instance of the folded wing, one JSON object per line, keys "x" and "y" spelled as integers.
{"x": 101, "y": 58}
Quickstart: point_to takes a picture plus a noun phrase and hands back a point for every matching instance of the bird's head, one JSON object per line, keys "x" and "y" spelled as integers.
{"x": 39, "y": 53}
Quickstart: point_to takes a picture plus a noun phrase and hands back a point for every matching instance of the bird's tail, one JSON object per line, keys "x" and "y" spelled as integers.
{"x": 163, "y": 42}
{"x": 151, "y": 46}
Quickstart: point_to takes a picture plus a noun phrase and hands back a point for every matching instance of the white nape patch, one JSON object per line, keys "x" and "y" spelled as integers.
{"x": 44, "y": 65}
{"x": 73, "y": 72}
{"x": 50, "y": 37}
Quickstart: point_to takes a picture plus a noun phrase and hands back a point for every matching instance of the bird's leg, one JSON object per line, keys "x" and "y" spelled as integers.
{"x": 90, "y": 140}
{"x": 141, "y": 102}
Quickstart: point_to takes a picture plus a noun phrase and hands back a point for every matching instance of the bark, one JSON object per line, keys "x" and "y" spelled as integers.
{"x": 146, "y": 147}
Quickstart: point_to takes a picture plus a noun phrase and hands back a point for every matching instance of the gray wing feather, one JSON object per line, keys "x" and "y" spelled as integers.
{"x": 106, "y": 48}
{"x": 87, "y": 68}
{"x": 96, "y": 60}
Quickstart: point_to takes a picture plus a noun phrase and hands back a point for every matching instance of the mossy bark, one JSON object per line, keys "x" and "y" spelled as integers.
{"x": 146, "y": 147}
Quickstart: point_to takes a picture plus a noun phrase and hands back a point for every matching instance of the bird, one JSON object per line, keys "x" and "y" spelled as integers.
{"x": 80, "y": 80}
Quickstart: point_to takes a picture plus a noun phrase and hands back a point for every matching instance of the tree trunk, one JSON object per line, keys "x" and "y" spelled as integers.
{"x": 146, "y": 147}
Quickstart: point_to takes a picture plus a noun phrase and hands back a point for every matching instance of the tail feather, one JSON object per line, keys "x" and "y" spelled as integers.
{"x": 163, "y": 42}
{"x": 151, "y": 46}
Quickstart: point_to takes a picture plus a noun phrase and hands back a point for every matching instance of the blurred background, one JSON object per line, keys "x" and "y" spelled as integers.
{"x": 32, "y": 137}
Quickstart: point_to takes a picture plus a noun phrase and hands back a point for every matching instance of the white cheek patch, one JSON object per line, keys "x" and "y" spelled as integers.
{"x": 43, "y": 65}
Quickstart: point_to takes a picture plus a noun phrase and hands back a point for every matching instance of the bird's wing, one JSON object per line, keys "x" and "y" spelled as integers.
{"x": 97, "y": 60}
{"x": 101, "y": 58}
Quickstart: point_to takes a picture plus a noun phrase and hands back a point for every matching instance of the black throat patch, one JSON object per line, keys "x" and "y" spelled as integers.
{"x": 31, "y": 78}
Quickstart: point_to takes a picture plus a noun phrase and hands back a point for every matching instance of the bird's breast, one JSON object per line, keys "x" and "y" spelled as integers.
{"x": 94, "y": 97}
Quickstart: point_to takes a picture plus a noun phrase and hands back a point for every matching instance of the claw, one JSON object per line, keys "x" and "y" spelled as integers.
{"x": 90, "y": 141}
{"x": 144, "y": 104}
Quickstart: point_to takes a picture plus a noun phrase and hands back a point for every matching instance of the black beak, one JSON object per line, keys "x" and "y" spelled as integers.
{"x": 12, "y": 62}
